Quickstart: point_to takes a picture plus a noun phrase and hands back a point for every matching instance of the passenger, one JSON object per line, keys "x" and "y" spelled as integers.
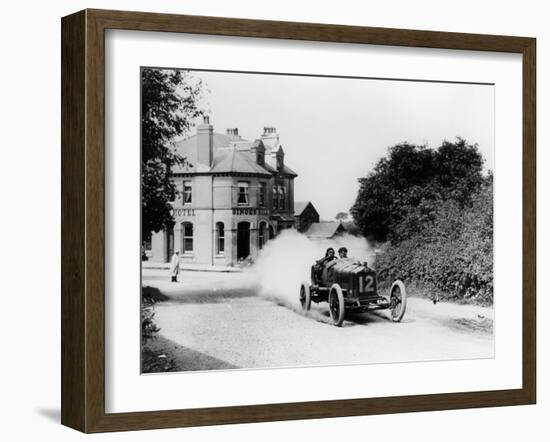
{"x": 343, "y": 253}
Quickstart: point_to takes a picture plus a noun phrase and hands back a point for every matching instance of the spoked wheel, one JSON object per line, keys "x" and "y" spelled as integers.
{"x": 305, "y": 297}
{"x": 398, "y": 301}
{"x": 336, "y": 305}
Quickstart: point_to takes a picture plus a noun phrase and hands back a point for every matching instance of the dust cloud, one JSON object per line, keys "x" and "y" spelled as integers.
{"x": 285, "y": 262}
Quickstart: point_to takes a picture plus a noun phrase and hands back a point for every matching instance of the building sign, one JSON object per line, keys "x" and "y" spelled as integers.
{"x": 250, "y": 211}
{"x": 183, "y": 212}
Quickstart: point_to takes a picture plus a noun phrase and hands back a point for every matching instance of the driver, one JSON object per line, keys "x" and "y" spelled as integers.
{"x": 330, "y": 255}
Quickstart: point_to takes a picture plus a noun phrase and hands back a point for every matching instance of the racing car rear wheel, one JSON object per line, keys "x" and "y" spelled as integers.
{"x": 305, "y": 297}
{"x": 336, "y": 305}
{"x": 398, "y": 300}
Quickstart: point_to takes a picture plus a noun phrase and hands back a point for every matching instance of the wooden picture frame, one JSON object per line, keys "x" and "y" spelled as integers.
{"x": 83, "y": 220}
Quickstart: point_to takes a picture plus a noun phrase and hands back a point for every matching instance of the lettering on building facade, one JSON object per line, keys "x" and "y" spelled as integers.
{"x": 183, "y": 212}
{"x": 249, "y": 211}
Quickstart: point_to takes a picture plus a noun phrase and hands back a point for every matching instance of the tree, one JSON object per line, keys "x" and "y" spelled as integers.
{"x": 169, "y": 105}
{"x": 341, "y": 216}
{"x": 406, "y": 187}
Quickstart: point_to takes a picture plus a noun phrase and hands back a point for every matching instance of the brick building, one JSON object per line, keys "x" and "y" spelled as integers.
{"x": 233, "y": 196}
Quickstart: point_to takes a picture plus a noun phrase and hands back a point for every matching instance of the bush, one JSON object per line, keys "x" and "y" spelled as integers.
{"x": 149, "y": 297}
{"x": 452, "y": 249}
{"x": 149, "y": 328}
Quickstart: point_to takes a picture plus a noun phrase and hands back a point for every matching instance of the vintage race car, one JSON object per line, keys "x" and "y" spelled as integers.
{"x": 349, "y": 285}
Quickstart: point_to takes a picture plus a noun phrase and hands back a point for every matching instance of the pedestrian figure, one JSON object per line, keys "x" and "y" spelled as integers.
{"x": 175, "y": 266}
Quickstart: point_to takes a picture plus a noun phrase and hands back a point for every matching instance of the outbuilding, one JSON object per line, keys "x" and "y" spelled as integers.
{"x": 325, "y": 230}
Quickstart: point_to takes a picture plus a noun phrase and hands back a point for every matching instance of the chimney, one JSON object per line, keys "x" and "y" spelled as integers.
{"x": 205, "y": 142}
{"x": 270, "y": 137}
{"x": 233, "y": 133}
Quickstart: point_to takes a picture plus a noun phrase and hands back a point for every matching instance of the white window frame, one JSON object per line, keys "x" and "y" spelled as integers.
{"x": 220, "y": 239}
{"x": 187, "y": 183}
{"x": 243, "y": 185}
{"x": 185, "y": 237}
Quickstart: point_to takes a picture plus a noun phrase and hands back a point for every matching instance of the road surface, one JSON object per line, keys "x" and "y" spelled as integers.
{"x": 219, "y": 321}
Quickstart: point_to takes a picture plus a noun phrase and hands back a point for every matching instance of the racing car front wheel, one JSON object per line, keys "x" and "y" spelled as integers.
{"x": 336, "y": 305}
{"x": 305, "y": 297}
{"x": 398, "y": 300}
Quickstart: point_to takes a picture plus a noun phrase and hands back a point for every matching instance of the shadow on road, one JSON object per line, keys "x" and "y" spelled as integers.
{"x": 210, "y": 296}
{"x": 162, "y": 355}
{"x": 352, "y": 319}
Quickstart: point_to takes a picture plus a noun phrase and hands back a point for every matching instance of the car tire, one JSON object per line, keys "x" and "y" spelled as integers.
{"x": 336, "y": 305}
{"x": 305, "y": 296}
{"x": 398, "y": 301}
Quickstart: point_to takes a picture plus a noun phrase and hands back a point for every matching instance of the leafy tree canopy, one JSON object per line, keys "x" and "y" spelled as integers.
{"x": 406, "y": 187}
{"x": 170, "y": 103}
{"x": 341, "y": 216}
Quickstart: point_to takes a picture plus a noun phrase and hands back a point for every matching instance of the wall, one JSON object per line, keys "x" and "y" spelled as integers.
{"x": 30, "y": 221}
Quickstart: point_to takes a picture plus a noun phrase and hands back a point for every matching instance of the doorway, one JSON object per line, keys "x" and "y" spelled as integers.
{"x": 243, "y": 239}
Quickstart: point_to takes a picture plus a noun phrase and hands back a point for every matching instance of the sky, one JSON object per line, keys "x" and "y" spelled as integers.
{"x": 333, "y": 130}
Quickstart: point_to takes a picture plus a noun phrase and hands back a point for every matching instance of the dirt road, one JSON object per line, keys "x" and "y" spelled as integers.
{"x": 231, "y": 326}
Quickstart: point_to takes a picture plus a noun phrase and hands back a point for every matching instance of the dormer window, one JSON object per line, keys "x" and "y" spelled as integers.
{"x": 279, "y": 164}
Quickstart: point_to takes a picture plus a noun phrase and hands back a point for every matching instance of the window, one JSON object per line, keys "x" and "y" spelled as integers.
{"x": 187, "y": 192}
{"x": 243, "y": 193}
{"x": 220, "y": 239}
{"x": 187, "y": 237}
{"x": 261, "y": 199}
{"x": 278, "y": 197}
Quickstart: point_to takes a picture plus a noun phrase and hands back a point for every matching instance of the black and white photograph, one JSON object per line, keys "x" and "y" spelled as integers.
{"x": 306, "y": 220}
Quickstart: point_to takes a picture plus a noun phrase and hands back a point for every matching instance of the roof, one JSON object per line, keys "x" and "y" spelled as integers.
{"x": 231, "y": 155}
{"x": 300, "y": 206}
{"x": 220, "y": 140}
{"x": 289, "y": 171}
{"x": 235, "y": 161}
{"x": 324, "y": 229}
{"x": 279, "y": 217}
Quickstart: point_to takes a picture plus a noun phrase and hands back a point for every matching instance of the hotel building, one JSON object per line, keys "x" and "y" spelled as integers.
{"x": 233, "y": 196}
